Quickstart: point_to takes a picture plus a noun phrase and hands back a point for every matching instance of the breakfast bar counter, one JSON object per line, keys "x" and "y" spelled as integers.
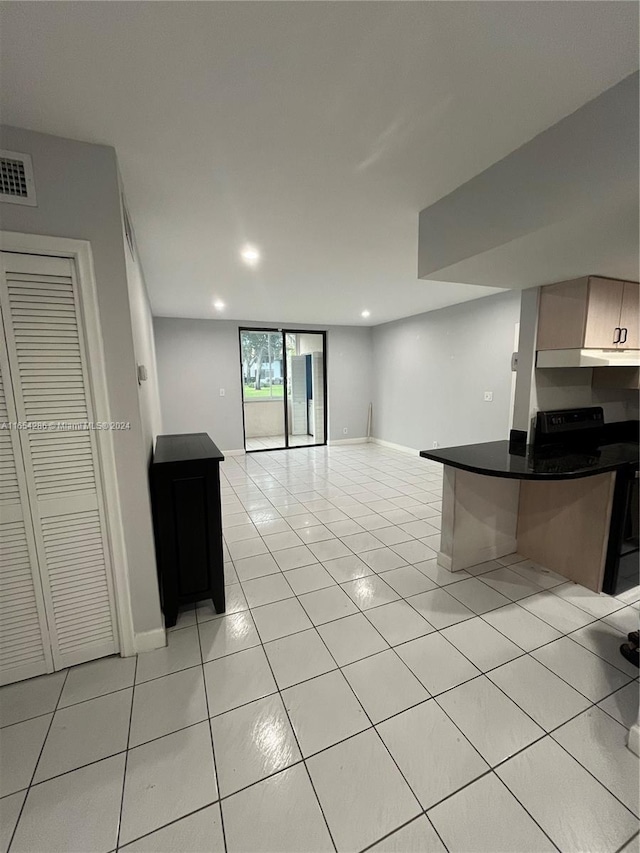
{"x": 554, "y": 508}
{"x": 500, "y": 459}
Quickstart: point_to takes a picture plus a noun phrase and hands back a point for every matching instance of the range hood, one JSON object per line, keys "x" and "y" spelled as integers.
{"x": 588, "y": 358}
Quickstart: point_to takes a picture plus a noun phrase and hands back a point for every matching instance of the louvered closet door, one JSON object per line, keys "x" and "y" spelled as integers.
{"x": 24, "y": 640}
{"x": 45, "y": 343}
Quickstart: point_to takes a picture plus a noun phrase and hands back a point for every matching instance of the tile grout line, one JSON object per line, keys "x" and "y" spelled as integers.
{"x": 478, "y": 577}
{"x": 372, "y": 725}
{"x": 483, "y": 672}
{"x": 291, "y": 726}
{"x": 434, "y": 631}
{"x": 438, "y": 630}
{"x": 423, "y": 812}
{"x": 546, "y": 732}
{"x": 404, "y": 826}
{"x": 30, "y": 785}
{"x": 624, "y": 845}
{"x": 563, "y": 747}
{"x": 306, "y": 680}
{"x": 522, "y": 805}
{"x": 126, "y": 756}
{"x": 213, "y": 748}
{"x": 72, "y": 704}
{"x": 339, "y": 668}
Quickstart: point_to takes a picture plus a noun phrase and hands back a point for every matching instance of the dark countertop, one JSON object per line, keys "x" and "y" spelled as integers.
{"x": 185, "y": 447}
{"x": 493, "y": 459}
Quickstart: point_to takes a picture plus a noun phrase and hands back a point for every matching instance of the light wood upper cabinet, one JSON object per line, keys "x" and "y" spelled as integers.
{"x": 630, "y": 315}
{"x": 602, "y": 328}
{"x": 589, "y": 313}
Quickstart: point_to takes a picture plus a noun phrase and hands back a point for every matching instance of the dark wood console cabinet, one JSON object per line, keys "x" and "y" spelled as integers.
{"x": 187, "y": 518}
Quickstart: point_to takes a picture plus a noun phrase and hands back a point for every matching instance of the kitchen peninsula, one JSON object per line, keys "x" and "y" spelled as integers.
{"x": 556, "y": 506}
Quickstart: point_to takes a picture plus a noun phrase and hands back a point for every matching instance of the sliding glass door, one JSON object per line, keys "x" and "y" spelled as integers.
{"x": 305, "y": 389}
{"x": 263, "y": 384}
{"x": 283, "y": 388}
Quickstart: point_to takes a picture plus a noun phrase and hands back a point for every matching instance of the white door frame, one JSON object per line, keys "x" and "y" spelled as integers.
{"x": 80, "y": 252}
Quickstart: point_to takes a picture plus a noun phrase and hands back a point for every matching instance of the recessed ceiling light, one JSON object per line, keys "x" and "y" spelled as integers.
{"x": 250, "y": 255}
{"x": 218, "y": 305}
{"x": 366, "y": 313}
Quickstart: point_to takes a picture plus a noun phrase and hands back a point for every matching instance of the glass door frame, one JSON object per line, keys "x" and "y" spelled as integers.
{"x": 284, "y": 332}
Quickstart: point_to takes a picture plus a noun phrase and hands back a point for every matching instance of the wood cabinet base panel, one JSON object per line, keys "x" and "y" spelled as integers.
{"x": 564, "y": 526}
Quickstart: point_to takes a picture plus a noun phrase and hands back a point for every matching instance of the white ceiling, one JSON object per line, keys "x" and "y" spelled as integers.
{"x": 317, "y": 131}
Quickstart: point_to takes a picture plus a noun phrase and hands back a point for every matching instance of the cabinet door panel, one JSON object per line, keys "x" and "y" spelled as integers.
{"x": 629, "y": 317}
{"x": 562, "y": 315}
{"x": 603, "y": 313}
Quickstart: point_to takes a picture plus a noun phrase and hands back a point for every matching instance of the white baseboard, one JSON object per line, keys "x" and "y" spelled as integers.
{"x": 147, "y": 641}
{"x": 233, "y": 452}
{"x": 334, "y": 441}
{"x": 634, "y": 739}
{"x": 401, "y": 447}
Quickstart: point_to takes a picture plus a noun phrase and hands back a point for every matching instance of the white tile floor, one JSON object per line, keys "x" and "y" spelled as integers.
{"x": 355, "y": 695}
{"x": 271, "y": 442}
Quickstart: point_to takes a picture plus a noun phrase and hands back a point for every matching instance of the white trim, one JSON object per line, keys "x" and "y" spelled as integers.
{"x": 233, "y": 452}
{"x": 147, "y": 641}
{"x": 335, "y": 441}
{"x": 401, "y": 447}
{"x": 80, "y": 252}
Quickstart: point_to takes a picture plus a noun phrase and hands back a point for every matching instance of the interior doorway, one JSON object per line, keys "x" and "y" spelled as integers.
{"x": 284, "y": 388}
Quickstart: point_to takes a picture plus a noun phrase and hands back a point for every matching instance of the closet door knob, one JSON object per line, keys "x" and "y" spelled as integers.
{"x": 617, "y": 334}
{"x": 623, "y": 340}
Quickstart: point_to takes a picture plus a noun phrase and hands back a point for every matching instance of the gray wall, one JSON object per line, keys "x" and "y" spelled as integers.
{"x": 78, "y": 197}
{"x": 196, "y": 358}
{"x": 350, "y": 377}
{"x": 144, "y": 350}
{"x": 430, "y": 373}
{"x": 570, "y": 388}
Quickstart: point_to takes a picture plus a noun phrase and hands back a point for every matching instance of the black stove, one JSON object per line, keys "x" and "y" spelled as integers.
{"x": 568, "y": 430}
{"x": 566, "y": 440}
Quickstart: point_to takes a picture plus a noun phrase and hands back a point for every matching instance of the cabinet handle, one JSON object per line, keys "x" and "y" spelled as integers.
{"x": 617, "y": 335}
{"x": 624, "y": 340}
